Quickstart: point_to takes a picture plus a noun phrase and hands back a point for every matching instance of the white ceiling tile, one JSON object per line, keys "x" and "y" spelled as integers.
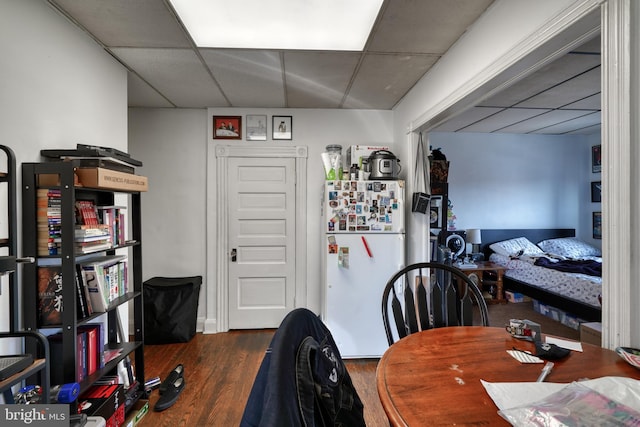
{"x": 572, "y": 125}
{"x": 177, "y": 73}
{"x": 589, "y": 130}
{"x": 579, "y": 87}
{"x": 553, "y": 74}
{"x": 142, "y": 95}
{"x": 318, "y": 79}
{"x": 543, "y": 121}
{"x": 250, "y": 78}
{"x": 382, "y": 80}
{"x": 498, "y": 120}
{"x": 592, "y": 102}
{"x": 408, "y": 37}
{"x": 467, "y": 118}
{"x": 127, "y": 23}
{"x": 425, "y": 26}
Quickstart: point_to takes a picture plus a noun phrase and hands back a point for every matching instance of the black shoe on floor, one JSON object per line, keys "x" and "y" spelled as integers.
{"x": 177, "y": 372}
{"x": 170, "y": 395}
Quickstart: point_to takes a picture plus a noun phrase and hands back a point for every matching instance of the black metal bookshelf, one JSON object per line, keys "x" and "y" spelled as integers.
{"x": 70, "y": 191}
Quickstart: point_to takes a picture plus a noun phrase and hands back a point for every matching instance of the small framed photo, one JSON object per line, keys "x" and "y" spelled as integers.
{"x": 597, "y": 225}
{"x": 281, "y": 127}
{"x": 596, "y": 191}
{"x": 256, "y": 127}
{"x": 596, "y": 159}
{"x": 227, "y": 127}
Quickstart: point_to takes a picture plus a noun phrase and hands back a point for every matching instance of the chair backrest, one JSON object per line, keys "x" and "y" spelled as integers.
{"x": 430, "y": 295}
{"x": 302, "y": 380}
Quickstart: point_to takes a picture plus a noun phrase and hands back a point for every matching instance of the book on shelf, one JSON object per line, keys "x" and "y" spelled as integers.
{"x": 50, "y": 298}
{"x": 84, "y": 309}
{"x": 50, "y": 302}
{"x": 114, "y": 218}
{"x": 105, "y": 279}
{"x": 85, "y": 291}
{"x": 93, "y": 246}
{"x": 48, "y": 209}
{"x": 95, "y": 346}
{"x": 56, "y": 350}
{"x": 86, "y": 213}
{"x": 85, "y": 232}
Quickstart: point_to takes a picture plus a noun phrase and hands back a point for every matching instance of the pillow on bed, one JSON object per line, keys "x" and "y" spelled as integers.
{"x": 569, "y": 247}
{"x": 517, "y": 246}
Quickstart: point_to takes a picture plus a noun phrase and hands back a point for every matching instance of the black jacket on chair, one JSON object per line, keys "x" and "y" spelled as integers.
{"x": 302, "y": 380}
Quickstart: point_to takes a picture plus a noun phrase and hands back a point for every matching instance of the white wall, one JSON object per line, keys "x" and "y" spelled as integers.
{"x": 58, "y": 88}
{"x": 171, "y": 143}
{"x": 519, "y": 181}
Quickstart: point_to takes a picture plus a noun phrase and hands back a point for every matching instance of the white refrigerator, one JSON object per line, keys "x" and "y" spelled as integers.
{"x": 364, "y": 246}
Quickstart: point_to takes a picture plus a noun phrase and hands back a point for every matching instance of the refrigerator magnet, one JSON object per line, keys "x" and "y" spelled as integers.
{"x": 343, "y": 257}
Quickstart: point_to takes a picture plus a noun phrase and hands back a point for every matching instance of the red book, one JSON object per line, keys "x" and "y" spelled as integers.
{"x": 93, "y": 332}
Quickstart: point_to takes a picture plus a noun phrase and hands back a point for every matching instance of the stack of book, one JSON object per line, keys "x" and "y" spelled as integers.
{"x": 49, "y": 223}
{"x": 90, "y": 234}
{"x": 92, "y": 238}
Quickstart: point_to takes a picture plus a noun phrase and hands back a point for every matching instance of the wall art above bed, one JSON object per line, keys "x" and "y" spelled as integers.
{"x": 597, "y": 225}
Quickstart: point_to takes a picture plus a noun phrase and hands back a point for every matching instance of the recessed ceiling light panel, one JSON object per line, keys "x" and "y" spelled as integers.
{"x": 279, "y": 24}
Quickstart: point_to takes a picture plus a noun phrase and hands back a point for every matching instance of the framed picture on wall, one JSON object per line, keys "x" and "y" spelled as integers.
{"x": 282, "y": 127}
{"x": 596, "y": 191}
{"x": 597, "y": 225}
{"x": 256, "y": 127}
{"x": 596, "y": 162}
{"x": 227, "y": 127}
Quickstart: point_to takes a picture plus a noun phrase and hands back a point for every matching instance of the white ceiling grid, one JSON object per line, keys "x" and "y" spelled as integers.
{"x": 166, "y": 69}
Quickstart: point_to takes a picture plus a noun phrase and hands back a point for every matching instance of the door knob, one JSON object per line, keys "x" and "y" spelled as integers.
{"x": 234, "y": 255}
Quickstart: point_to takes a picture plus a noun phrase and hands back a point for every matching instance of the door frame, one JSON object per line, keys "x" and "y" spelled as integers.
{"x": 619, "y": 103}
{"x": 218, "y": 239}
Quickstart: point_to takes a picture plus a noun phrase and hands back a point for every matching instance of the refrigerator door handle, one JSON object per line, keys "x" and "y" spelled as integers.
{"x": 234, "y": 255}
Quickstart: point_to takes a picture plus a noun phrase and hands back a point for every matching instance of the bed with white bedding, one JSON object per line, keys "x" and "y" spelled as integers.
{"x": 577, "y": 291}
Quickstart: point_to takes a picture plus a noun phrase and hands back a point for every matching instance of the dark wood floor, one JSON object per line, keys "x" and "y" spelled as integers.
{"x": 220, "y": 369}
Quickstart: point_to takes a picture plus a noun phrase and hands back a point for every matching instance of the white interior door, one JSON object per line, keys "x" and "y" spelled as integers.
{"x": 261, "y": 236}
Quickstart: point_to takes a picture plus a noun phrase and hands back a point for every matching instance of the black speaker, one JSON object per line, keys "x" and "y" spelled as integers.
{"x": 456, "y": 241}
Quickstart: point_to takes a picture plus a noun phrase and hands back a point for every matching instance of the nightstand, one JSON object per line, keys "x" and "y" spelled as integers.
{"x": 484, "y": 284}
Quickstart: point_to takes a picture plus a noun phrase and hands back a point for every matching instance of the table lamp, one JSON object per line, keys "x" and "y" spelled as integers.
{"x": 474, "y": 237}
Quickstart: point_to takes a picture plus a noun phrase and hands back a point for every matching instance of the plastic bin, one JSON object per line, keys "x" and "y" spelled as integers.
{"x": 170, "y": 309}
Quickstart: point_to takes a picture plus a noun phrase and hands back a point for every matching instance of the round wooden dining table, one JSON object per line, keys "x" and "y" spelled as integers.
{"x": 433, "y": 377}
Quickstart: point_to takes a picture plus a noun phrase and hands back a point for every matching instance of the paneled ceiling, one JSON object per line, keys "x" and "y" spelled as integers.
{"x": 561, "y": 98}
{"x": 167, "y": 70}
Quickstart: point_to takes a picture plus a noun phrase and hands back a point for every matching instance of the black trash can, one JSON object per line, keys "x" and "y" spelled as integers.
{"x": 170, "y": 309}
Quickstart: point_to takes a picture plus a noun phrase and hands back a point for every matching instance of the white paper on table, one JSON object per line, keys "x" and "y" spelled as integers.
{"x": 524, "y": 357}
{"x": 511, "y": 395}
{"x": 569, "y": 345}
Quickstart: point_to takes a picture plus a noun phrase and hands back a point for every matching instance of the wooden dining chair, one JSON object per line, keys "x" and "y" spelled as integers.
{"x": 430, "y": 295}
